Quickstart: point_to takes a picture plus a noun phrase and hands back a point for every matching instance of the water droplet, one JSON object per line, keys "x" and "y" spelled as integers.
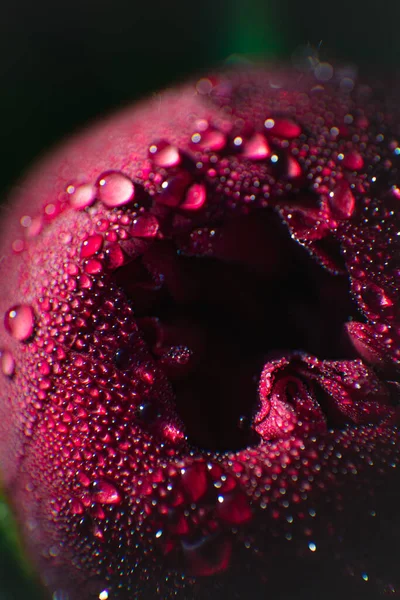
{"x": 212, "y": 139}
{"x": 164, "y": 155}
{"x": 323, "y": 71}
{"x": 76, "y": 507}
{"x": 173, "y": 189}
{"x": 97, "y": 512}
{"x": 81, "y": 196}
{"x": 51, "y": 210}
{"x": 115, "y": 257}
{"x": 91, "y": 245}
{"x": 244, "y": 423}
{"x": 342, "y": 201}
{"x": 85, "y": 282}
{"x": 195, "y": 197}
{"x": 282, "y": 128}
{"x": 234, "y": 508}
{"x": 35, "y": 227}
{"x": 256, "y": 148}
{"x": 204, "y": 86}
{"x": 144, "y": 226}
{"x": 105, "y": 492}
{"x": 115, "y": 189}
{"x": 194, "y": 480}
{"x": 18, "y": 246}
{"x": 147, "y": 413}
{"x": 293, "y": 168}
{"x": 312, "y": 546}
{"x": 65, "y": 237}
{"x": 353, "y": 161}
{"x": 93, "y": 267}
{"x": 122, "y": 358}
{"x": 54, "y": 551}
{"x": 19, "y": 322}
{"x": 7, "y": 363}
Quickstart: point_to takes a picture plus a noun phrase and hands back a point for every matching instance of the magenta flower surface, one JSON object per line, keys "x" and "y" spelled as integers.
{"x": 200, "y": 346}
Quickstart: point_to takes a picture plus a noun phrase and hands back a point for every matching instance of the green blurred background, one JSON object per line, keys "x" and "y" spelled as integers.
{"x": 64, "y": 63}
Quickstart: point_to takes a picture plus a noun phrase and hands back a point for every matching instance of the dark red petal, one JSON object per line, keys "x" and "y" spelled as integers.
{"x": 157, "y": 269}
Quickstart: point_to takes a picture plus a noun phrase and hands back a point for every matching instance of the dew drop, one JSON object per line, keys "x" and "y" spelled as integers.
{"x": 282, "y": 128}
{"x": 323, "y": 71}
{"x": 165, "y": 155}
{"x": 19, "y": 322}
{"x": 51, "y": 210}
{"x": 65, "y": 237}
{"x": 97, "y": 512}
{"x": 18, "y": 246}
{"x": 204, "y": 86}
{"x": 342, "y": 201}
{"x": 35, "y": 227}
{"x": 115, "y": 256}
{"x": 396, "y": 192}
{"x": 145, "y": 226}
{"x": 122, "y": 358}
{"x": 234, "y": 508}
{"x": 115, "y": 189}
{"x": 256, "y": 148}
{"x": 212, "y": 139}
{"x": 194, "y": 481}
{"x": 93, "y": 267}
{"x": 293, "y": 168}
{"x": 105, "y": 492}
{"x": 91, "y": 245}
{"x": 173, "y": 189}
{"x": 76, "y": 507}
{"x": 353, "y": 161}
{"x": 147, "y": 413}
{"x": 7, "y": 363}
{"x": 85, "y": 282}
{"x": 195, "y": 197}
{"x": 81, "y": 196}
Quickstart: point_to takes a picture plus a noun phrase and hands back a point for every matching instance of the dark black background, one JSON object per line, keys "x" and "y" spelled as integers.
{"x": 64, "y": 63}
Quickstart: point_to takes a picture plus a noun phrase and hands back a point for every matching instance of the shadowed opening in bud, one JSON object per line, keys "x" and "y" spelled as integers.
{"x": 213, "y": 319}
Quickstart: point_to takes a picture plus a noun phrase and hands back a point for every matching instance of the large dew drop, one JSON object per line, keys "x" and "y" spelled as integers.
{"x": 105, "y": 492}
{"x": 115, "y": 189}
{"x": 342, "y": 201}
{"x": 81, "y": 196}
{"x": 7, "y": 363}
{"x": 19, "y": 322}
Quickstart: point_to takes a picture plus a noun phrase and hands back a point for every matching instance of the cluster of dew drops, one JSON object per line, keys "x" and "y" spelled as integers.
{"x": 250, "y": 168}
{"x": 319, "y": 157}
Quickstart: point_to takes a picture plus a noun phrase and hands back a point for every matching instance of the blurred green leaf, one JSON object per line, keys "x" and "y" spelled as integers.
{"x": 253, "y": 30}
{"x": 16, "y": 575}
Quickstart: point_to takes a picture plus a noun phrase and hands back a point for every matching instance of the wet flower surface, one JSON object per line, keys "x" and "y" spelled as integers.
{"x": 200, "y": 346}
